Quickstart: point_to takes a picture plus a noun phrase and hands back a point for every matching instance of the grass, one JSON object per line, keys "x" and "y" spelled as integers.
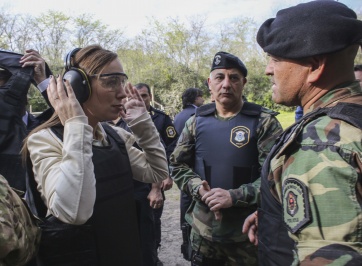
{"x": 286, "y": 118}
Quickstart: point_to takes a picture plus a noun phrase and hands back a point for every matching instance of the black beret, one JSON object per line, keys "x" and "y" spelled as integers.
{"x": 309, "y": 29}
{"x": 223, "y": 60}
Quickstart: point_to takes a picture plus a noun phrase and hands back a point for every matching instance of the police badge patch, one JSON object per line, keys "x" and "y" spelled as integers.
{"x": 296, "y": 209}
{"x": 171, "y": 132}
{"x": 240, "y": 136}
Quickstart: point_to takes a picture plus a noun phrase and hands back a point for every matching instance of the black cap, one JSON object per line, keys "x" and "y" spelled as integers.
{"x": 223, "y": 60}
{"x": 309, "y": 29}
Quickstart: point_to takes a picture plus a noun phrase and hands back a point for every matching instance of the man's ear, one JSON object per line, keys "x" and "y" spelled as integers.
{"x": 245, "y": 80}
{"x": 317, "y": 66}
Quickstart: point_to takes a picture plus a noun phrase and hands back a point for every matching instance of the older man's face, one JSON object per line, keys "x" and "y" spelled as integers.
{"x": 226, "y": 86}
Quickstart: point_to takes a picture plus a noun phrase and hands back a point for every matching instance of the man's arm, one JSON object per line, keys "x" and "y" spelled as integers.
{"x": 182, "y": 161}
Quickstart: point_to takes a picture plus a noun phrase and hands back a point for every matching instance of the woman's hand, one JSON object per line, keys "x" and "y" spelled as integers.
{"x": 134, "y": 105}
{"x": 66, "y": 106}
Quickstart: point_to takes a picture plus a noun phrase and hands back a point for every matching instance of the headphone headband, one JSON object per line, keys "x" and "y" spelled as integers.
{"x": 68, "y": 58}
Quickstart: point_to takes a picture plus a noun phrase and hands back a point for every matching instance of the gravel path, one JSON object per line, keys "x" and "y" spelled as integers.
{"x": 170, "y": 252}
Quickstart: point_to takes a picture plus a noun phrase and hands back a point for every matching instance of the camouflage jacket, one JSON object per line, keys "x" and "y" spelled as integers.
{"x": 19, "y": 234}
{"x": 181, "y": 167}
{"x": 318, "y": 180}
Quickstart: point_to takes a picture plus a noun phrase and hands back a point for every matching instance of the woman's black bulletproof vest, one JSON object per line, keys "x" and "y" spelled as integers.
{"x": 110, "y": 236}
{"x": 227, "y": 148}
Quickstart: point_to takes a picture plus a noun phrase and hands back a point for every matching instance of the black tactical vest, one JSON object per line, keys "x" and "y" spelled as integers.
{"x": 274, "y": 245}
{"x": 12, "y": 129}
{"x": 226, "y": 153}
{"x": 110, "y": 236}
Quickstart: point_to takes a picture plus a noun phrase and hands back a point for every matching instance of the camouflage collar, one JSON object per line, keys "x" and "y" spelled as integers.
{"x": 337, "y": 94}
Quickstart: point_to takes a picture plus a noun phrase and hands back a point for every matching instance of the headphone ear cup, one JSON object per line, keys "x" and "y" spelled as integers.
{"x": 80, "y": 84}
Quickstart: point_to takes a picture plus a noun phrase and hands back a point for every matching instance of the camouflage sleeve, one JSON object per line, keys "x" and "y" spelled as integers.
{"x": 19, "y": 235}
{"x": 182, "y": 161}
{"x": 320, "y": 191}
{"x": 268, "y": 130}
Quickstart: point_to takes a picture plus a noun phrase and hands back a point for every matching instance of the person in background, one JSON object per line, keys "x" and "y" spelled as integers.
{"x": 84, "y": 168}
{"x": 17, "y": 73}
{"x": 358, "y": 73}
{"x": 191, "y": 99}
{"x": 217, "y": 158}
{"x": 169, "y": 138}
{"x": 20, "y": 234}
{"x": 310, "y": 210}
{"x": 145, "y": 203}
{"x": 298, "y": 113}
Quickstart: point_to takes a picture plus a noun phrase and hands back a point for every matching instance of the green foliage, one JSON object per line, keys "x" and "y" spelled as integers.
{"x": 170, "y": 56}
{"x": 286, "y": 118}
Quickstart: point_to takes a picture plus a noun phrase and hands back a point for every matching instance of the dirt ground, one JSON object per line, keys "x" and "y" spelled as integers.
{"x": 171, "y": 238}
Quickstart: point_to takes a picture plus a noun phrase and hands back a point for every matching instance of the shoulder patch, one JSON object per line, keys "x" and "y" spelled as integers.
{"x": 171, "y": 132}
{"x": 296, "y": 207}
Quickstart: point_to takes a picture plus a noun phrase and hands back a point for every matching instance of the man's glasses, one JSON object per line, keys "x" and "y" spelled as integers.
{"x": 111, "y": 80}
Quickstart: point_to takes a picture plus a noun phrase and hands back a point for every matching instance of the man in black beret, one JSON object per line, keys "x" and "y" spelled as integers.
{"x": 217, "y": 158}
{"x": 311, "y": 208}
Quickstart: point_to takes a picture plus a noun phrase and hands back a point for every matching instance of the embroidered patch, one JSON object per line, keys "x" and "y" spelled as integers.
{"x": 171, "y": 132}
{"x": 240, "y": 136}
{"x": 217, "y": 59}
{"x": 296, "y": 208}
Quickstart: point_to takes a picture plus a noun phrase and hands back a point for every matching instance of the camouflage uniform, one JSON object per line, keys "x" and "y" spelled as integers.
{"x": 19, "y": 235}
{"x": 317, "y": 173}
{"x": 234, "y": 247}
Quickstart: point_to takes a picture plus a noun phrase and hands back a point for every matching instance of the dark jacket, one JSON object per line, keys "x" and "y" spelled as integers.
{"x": 181, "y": 117}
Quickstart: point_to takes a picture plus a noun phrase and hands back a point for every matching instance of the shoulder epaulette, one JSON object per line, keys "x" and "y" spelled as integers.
{"x": 157, "y": 111}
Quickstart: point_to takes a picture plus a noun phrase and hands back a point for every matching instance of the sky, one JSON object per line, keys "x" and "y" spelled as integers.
{"x": 132, "y": 16}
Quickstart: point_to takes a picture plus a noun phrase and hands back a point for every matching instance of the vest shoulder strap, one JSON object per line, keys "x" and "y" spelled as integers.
{"x": 111, "y": 132}
{"x": 251, "y": 109}
{"x": 348, "y": 112}
{"x": 205, "y": 109}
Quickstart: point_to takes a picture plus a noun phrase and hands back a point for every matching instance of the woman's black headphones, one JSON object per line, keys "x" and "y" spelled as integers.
{"x": 77, "y": 78}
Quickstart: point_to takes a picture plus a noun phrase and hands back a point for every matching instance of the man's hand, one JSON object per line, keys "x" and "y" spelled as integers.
{"x": 33, "y": 59}
{"x": 217, "y": 198}
{"x": 205, "y": 188}
{"x": 66, "y": 106}
{"x": 155, "y": 196}
{"x": 251, "y": 227}
{"x": 167, "y": 184}
{"x": 134, "y": 106}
